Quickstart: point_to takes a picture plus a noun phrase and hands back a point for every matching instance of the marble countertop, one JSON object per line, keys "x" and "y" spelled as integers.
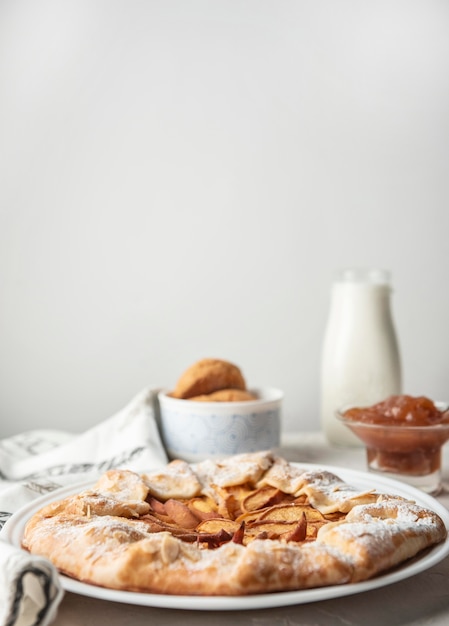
{"x": 421, "y": 599}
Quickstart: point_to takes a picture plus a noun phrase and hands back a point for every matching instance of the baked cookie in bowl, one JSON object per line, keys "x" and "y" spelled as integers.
{"x": 211, "y": 413}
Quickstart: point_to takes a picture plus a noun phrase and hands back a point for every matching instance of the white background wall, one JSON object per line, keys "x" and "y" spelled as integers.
{"x": 181, "y": 178}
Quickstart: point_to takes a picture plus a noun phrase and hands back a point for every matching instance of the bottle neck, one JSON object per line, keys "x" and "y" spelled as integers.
{"x": 361, "y": 297}
{"x": 364, "y": 276}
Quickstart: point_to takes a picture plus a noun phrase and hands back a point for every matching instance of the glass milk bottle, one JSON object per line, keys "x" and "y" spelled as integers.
{"x": 360, "y": 361}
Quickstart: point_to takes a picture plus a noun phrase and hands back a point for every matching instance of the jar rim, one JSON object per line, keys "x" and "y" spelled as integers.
{"x": 372, "y": 276}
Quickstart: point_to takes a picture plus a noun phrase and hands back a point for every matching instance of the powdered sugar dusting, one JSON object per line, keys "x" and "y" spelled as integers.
{"x": 328, "y": 493}
{"x": 176, "y": 480}
{"x": 236, "y": 470}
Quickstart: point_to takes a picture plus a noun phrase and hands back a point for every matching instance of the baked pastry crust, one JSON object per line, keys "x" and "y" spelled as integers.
{"x": 109, "y": 535}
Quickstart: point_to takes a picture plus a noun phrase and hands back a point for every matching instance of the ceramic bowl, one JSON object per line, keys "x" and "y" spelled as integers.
{"x": 409, "y": 453}
{"x": 194, "y": 431}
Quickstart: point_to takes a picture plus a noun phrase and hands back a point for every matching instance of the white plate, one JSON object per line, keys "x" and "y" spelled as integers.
{"x": 14, "y": 528}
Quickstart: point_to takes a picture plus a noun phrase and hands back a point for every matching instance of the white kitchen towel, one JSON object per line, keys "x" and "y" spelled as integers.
{"x": 30, "y": 588}
{"x": 37, "y": 462}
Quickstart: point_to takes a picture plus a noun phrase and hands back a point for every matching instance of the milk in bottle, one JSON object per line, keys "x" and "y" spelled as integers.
{"x": 360, "y": 360}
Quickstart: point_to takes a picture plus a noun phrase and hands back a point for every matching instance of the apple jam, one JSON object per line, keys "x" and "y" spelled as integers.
{"x": 400, "y": 411}
{"x": 403, "y": 434}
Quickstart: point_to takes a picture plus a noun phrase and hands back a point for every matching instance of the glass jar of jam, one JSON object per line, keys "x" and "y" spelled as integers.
{"x": 403, "y": 436}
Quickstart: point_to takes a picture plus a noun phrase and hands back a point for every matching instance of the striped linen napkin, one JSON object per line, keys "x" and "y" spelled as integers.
{"x": 40, "y": 461}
